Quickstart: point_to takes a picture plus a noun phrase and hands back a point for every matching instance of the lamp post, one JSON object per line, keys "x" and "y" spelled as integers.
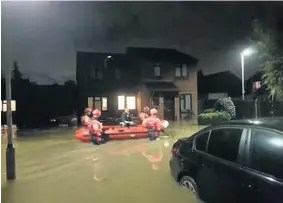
{"x": 10, "y": 150}
{"x": 106, "y": 60}
{"x": 246, "y": 52}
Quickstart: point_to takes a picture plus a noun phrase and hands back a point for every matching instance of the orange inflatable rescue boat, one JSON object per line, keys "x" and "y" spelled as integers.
{"x": 116, "y": 132}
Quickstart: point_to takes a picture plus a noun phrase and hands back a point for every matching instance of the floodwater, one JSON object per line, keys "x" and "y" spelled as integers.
{"x": 54, "y": 167}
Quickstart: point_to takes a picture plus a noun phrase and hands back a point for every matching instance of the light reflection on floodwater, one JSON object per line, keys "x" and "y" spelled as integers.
{"x": 57, "y": 168}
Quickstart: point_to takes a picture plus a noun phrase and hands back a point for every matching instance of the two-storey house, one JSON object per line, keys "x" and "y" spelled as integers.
{"x": 162, "y": 78}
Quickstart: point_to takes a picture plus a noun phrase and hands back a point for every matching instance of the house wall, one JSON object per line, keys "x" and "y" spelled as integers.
{"x": 133, "y": 76}
{"x": 187, "y": 85}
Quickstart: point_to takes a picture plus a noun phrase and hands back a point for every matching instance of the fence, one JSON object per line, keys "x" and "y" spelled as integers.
{"x": 250, "y": 108}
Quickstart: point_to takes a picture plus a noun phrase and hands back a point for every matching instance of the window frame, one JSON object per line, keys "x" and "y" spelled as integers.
{"x": 125, "y": 101}
{"x": 181, "y": 66}
{"x": 241, "y": 159}
{"x": 154, "y": 72}
{"x": 183, "y": 100}
{"x": 94, "y": 71}
{"x": 102, "y": 103}
{"x": 198, "y": 135}
{"x": 248, "y": 154}
{"x": 175, "y": 70}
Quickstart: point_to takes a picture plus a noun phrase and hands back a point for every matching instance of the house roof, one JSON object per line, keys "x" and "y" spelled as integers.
{"x": 159, "y": 55}
{"x": 162, "y": 86}
{"x": 227, "y": 82}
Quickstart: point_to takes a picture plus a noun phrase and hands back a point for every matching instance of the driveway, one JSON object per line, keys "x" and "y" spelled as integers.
{"x": 57, "y": 168}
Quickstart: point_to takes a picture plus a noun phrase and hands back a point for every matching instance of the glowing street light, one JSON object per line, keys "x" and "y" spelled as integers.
{"x": 106, "y": 61}
{"x": 246, "y": 52}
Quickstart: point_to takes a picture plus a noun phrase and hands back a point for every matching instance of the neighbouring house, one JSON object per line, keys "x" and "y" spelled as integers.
{"x": 218, "y": 85}
{"x": 156, "y": 77}
{"x": 222, "y": 83}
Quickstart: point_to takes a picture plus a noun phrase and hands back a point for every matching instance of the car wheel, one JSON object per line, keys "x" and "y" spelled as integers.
{"x": 188, "y": 183}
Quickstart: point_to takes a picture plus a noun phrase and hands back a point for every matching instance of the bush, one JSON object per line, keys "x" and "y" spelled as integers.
{"x": 226, "y": 105}
{"x": 213, "y": 117}
{"x": 209, "y": 110}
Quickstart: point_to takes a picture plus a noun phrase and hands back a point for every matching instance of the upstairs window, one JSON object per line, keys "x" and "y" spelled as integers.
{"x": 178, "y": 71}
{"x": 181, "y": 71}
{"x": 184, "y": 70}
{"x": 96, "y": 73}
{"x": 157, "y": 70}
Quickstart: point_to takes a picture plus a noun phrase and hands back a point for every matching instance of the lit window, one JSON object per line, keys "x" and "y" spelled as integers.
{"x": 104, "y": 103}
{"x": 157, "y": 70}
{"x": 90, "y": 102}
{"x": 178, "y": 72}
{"x": 131, "y": 102}
{"x": 121, "y": 102}
{"x": 4, "y": 105}
{"x": 184, "y": 70}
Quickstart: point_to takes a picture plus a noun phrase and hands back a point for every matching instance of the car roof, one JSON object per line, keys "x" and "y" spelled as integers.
{"x": 275, "y": 123}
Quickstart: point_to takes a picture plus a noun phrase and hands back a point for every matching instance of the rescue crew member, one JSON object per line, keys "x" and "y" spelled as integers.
{"x": 153, "y": 124}
{"x": 95, "y": 127}
{"x": 86, "y": 117}
{"x": 144, "y": 114}
{"x": 146, "y": 110}
{"x": 126, "y": 119}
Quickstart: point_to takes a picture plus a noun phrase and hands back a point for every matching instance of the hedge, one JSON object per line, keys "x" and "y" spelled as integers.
{"x": 213, "y": 117}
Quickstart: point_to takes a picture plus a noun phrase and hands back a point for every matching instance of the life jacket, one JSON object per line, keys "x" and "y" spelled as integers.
{"x": 95, "y": 127}
{"x": 85, "y": 120}
{"x": 152, "y": 122}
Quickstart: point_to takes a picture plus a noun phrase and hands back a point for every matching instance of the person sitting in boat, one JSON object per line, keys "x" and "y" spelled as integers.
{"x": 153, "y": 124}
{"x": 126, "y": 118}
{"x": 95, "y": 127}
{"x": 86, "y": 117}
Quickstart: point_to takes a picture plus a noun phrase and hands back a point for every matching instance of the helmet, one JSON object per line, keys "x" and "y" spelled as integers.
{"x": 146, "y": 109}
{"x": 87, "y": 110}
{"x": 153, "y": 111}
{"x": 96, "y": 113}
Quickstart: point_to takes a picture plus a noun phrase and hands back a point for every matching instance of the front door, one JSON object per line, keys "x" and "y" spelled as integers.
{"x": 169, "y": 107}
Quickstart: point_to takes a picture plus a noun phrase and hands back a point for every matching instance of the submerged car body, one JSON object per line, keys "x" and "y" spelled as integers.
{"x": 237, "y": 161}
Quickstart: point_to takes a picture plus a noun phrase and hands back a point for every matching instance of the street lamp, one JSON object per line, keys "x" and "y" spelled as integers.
{"x": 106, "y": 61}
{"x": 246, "y": 52}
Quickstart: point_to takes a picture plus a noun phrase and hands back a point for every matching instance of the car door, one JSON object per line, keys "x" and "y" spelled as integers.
{"x": 263, "y": 182}
{"x": 220, "y": 175}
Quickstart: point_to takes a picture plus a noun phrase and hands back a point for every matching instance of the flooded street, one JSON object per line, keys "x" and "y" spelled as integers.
{"x": 55, "y": 167}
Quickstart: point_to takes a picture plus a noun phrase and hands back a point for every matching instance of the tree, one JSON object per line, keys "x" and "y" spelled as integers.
{"x": 266, "y": 42}
{"x": 16, "y": 74}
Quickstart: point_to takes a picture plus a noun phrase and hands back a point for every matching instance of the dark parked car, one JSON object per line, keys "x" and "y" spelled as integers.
{"x": 237, "y": 161}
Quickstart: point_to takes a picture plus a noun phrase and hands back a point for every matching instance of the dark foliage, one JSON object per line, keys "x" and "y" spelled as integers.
{"x": 37, "y": 104}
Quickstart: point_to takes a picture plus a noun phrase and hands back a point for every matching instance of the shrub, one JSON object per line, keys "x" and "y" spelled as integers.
{"x": 209, "y": 110}
{"x": 226, "y": 105}
{"x": 219, "y": 116}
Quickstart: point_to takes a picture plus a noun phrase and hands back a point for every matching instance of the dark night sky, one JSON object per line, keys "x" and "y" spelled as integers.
{"x": 43, "y": 36}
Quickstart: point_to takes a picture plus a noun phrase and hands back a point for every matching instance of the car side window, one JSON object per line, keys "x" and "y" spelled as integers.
{"x": 201, "y": 141}
{"x": 267, "y": 152}
{"x": 224, "y": 143}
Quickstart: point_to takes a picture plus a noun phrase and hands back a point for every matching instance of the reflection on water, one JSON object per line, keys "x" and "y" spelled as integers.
{"x": 58, "y": 168}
